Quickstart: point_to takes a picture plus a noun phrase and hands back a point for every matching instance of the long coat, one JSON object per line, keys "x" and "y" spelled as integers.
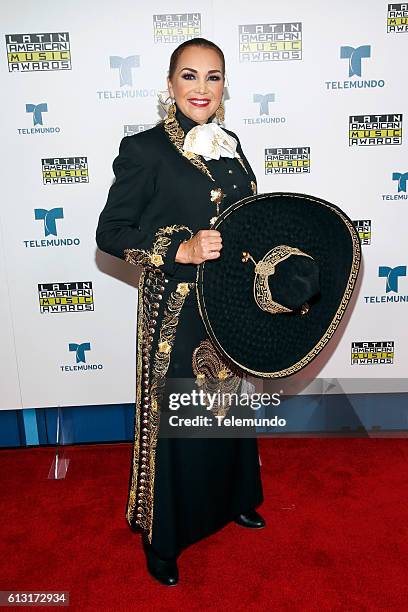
{"x": 179, "y": 489}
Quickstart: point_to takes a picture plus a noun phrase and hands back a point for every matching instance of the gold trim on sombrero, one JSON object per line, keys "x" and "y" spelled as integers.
{"x": 265, "y": 268}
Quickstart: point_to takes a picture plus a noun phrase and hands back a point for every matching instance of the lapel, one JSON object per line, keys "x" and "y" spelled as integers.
{"x": 175, "y": 134}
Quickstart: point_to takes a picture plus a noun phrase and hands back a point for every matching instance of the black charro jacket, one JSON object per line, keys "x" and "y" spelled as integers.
{"x": 161, "y": 198}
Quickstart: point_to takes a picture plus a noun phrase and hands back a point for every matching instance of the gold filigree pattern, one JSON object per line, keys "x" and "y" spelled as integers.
{"x": 150, "y": 384}
{"x": 162, "y": 241}
{"x": 176, "y": 135}
{"x": 213, "y": 376}
{"x": 160, "y": 366}
{"x": 265, "y": 268}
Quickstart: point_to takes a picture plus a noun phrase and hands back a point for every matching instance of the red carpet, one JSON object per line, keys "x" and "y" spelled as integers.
{"x": 336, "y": 535}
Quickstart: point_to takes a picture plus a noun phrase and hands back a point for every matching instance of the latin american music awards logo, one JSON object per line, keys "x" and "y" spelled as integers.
{"x": 64, "y": 170}
{"x": 80, "y": 353}
{"x": 375, "y": 130}
{"x": 176, "y": 27}
{"x": 262, "y": 102}
{"x": 355, "y": 57}
{"x": 392, "y": 294}
{"x": 270, "y": 42}
{"x": 66, "y": 297}
{"x": 363, "y": 227}
{"x": 49, "y": 227}
{"x": 123, "y": 69}
{"x": 397, "y": 18}
{"x": 130, "y": 130}
{"x": 379, "y": 352}
{"x": 38, "y": 52}
{"x": 287, "y": 160}
{"x": 38, "y": 114}
{"x": 400, "y": 180}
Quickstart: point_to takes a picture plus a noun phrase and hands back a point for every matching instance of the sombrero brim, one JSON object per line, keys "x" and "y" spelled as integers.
{"x": 277, "y": 345}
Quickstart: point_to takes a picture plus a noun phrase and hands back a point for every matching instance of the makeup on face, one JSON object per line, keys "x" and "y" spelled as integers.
{"x": 198, "y": 83}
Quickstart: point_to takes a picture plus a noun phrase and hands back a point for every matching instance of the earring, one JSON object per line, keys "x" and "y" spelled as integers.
{"x": 220, "y": 113}
{"x": 171, "y": 112}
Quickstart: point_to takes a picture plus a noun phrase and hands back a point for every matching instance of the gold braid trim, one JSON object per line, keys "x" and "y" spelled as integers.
{"x": 142, "y": 331}
{"x": 176, "y": 135}
{"x": 140, "y": 257}
{"x": 159, "y": 370}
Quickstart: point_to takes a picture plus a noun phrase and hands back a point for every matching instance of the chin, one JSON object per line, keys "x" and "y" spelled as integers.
{"x": 197, "y": 114}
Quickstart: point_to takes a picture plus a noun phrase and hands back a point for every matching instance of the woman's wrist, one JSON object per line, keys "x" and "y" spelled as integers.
{"x": 181, "y": 255}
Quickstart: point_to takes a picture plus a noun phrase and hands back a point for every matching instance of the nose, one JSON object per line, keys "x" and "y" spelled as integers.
{"x": 202, "y": 86}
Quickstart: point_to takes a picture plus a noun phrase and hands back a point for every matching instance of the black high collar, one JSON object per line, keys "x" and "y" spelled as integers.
{"x": 185, "y": 122}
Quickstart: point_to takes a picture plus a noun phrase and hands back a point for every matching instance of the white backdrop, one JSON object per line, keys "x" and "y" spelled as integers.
{"x": 80, "y": 105}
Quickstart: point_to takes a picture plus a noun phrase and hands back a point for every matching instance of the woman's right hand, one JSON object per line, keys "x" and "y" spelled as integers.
{"x": 204, "y": 245}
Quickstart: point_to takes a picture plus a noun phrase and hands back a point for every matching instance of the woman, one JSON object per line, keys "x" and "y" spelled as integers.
{"x": 157, "y": 216}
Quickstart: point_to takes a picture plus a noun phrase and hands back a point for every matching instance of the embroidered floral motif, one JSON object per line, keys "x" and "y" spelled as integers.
{"x": 214, "y": 377}
{"x": 140, "y": 257}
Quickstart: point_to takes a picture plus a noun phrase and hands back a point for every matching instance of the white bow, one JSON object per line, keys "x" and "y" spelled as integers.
{"x": 210, "y": 141}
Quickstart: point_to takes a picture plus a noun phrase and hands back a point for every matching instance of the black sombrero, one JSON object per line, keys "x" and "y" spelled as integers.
{"x": 282, "y": 283}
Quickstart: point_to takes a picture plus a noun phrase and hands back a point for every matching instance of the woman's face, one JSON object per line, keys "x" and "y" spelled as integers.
{"x": 197, "y": 83}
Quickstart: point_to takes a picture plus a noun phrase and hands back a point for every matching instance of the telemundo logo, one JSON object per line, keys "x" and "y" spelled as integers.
{"x": 400, "y": 180}
{"x": 37, "y": 110}
{"x": 355, "y": 56}
{"x": 38, "y": 117}
{"x": 80, "y": 349}
{"x": 392, "y": 277}
{"x": 263, "y": 101}
{"x": 49, "y": 220}
{"x": 125, "y": 67}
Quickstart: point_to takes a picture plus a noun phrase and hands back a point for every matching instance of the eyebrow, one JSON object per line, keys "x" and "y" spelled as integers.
{"x": 192, "y": 70}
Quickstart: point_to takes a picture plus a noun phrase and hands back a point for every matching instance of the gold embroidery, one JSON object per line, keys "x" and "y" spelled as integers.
{"x": 160, "y": 366}
{"x": 140, "y": 500}
{"x": 157, "y": 260}
{"x": 216, "y": 195}
{"x": 141, "y": 335}
{"x": 183, "y": 288}
{"x": 265, "y": 268}
{"x": 164, "y": 347}
{"x": 149, "y": 387}
{"x": 213, "y": 376}
{"x": 176, "y": 135}
{"x": 140, "y": 257}
{"x": 242, "y": 163}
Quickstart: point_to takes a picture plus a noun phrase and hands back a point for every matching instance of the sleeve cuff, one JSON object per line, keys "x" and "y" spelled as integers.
{"x": 162, "y": 255}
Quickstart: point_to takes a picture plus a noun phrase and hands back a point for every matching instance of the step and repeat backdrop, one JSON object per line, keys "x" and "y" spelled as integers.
{"x": 317, "y": 93}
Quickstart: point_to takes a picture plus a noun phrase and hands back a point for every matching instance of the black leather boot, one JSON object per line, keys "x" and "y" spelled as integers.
{"x": 163, "y": 570}
{"x": 250, "y": 519}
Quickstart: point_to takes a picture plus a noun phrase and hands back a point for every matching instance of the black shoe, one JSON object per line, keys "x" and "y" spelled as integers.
{"x": 163, "y": 570}
{"x": 250, "y": 519}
